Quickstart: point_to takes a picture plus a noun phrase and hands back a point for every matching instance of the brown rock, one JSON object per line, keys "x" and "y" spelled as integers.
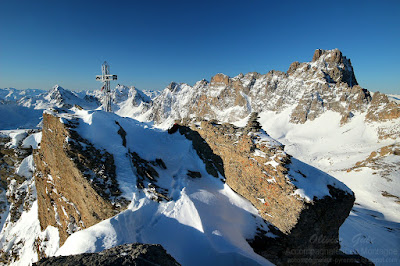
{"x": 317, "y": 55}
{"x": 336, "y": 57}
{"x": 220, "y": 78}
{"x": 71, "y": 194}
{"x": 375, "y": 161}
{"x": 265, "y": 182}
{"x": 293, "y": 67}
{"x": 381, "y": 109}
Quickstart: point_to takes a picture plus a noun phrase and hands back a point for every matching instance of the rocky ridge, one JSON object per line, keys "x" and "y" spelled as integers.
{"x": 75, "y": 181}
{"x": 309, "y": 89}
{"x": 257, "y": 168}
{"x": 247, "y": 159}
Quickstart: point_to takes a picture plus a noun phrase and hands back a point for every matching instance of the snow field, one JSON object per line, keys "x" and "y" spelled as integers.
{"x": 373, "y": 227}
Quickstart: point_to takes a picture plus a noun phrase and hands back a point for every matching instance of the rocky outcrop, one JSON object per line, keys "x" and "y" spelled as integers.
{"x": 346, "y": 101}
{"x": 17, "y": 192}
{"x": 382, "y": 109}
{"x": 76, "y": 183}
{"x": 258, "y": 168}
{"x": 376, "y": 161}
{"x": 220, "y": 79}
{"x": 337, "y": 67}
{"x": 147, "y": 177}
{"x": 128, "y": 254}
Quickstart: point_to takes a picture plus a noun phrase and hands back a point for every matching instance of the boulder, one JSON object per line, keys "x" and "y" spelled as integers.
{"x": 381, "y": 109}
{"x": 128, "y": 254}
{"x": 220, "y": 78}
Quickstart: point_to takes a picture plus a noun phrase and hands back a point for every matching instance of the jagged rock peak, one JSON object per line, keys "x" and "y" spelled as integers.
{"x": 336, "y": 67}
{"x": 58, "y": 90}
{"x": 172, "y": 86}
{"x": 202, "y": 82}
{"x": 336, "y": 55}
{"x": 220, "y": 78}
{"x": 58, "y": 93}
{"x": 58, "y": 87}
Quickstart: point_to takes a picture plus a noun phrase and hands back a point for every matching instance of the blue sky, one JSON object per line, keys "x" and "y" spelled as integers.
{"x": 151, "y": 43}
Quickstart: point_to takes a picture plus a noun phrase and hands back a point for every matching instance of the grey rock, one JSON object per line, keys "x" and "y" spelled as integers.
{"x": 128, "y": 254}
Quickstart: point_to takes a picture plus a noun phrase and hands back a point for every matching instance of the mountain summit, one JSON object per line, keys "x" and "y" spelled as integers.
{"x": 335, "y": 66}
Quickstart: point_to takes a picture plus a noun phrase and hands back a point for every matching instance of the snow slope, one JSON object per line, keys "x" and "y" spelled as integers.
{"x": 194, "y": 227}
{"x": 373, "y": 227}
{"x": 14, "y": 116}
{"x": 24, "y": 237}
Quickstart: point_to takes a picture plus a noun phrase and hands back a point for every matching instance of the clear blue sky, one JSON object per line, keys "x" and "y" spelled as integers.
{"x": 151, "y": 43}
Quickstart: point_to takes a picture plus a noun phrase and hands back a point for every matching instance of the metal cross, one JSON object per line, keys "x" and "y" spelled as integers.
{"x": 105, "y": 77}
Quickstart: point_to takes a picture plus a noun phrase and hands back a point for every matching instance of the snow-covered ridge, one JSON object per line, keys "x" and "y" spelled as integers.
{"x": 198, "y": 208}
{"x": 11, "y": 94}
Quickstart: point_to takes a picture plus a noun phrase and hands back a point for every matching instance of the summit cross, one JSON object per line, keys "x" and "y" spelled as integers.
{"x": 106, "y": 77}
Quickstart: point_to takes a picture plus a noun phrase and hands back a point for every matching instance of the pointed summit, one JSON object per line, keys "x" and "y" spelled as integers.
{"x": 334, "y": 56}
{"x": 172, "y": 86}
{"x": 61, "y": 97}
{"x": 57, "y": 88}
{"x": 336, "y": 67}
{"x": 58, "y": 91}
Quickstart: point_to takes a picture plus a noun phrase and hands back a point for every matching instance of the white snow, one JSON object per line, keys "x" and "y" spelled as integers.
{"x": 372, "y": 229}
{"x": 186, "y": 226}
{"x": 25, "y": 231}
{"x": 32, "y": 141}
{"x": 17, "y": 136}
{"x": 394, "y": 98}
{"x": 26, "y": 168}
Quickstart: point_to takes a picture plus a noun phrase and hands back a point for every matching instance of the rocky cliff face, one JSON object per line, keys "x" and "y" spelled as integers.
{"x": 75, "y": 182}
{"x": 258, "y": 168}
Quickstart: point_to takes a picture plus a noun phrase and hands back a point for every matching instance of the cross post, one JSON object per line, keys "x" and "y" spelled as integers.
{"x": 105, "y": 77}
